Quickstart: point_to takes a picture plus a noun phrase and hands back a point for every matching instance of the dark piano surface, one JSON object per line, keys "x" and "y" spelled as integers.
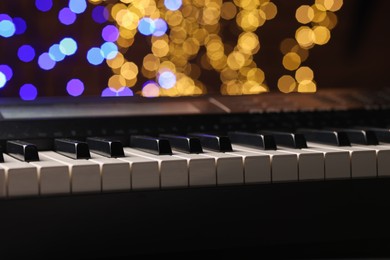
{"x": 313, "y": 219}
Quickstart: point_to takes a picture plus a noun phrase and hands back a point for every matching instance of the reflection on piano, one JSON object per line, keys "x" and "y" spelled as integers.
{"x": 234, "y": 174}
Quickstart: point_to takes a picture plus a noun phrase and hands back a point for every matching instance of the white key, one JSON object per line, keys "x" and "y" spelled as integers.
{"x": 363, "y": 161}
{"x": 382, "y": 157}
{"x": 201, "y": 169}
{"x": 3, "y": 183}
{"x": 53, "y": 176}
{"x": 284, "y": 166}
{"x": 115, "y": 174}
{"x": 173, "y": 170}
{"x": 229, "y": 167}
{"x": 21, "y": 178}
{"x": 311, "y": 165}
{"x": 143, "y": 171}
{"x": 84, "y": 174}
{"x": 257, "y": 167}
{"x": 337, "y": 163}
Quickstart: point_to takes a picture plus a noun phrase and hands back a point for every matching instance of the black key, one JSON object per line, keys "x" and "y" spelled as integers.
{"x": 154, "y": 145}
{"x": 261, "y": 141}
{"x": 335, "y": 138}
{"x": 288, "y": 139}
{"x": 360, "y": 136}
{"x": 1, "y": 157}
{"x": 381, "y": 134}
{"x": 217, "y": 143}
{"x": 184, "y": 143}
{"x": 23, "y": 151}
{"x": 72, "y": 148}
{"x": 106, "y": 147}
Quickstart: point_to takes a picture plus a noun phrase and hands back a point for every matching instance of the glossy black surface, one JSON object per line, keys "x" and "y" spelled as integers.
{"x": 154, "y": 145}
{"x": 288, "y": 139}
{"x": 360, "y": 136}
{"x": 184, "y": 143}
{"x": 22, "y": 150}
{"x": 260, "y": 141}
{"x": 329, "y": 137}
{"x": 106, "y": 146}
{"x": 219, "y": 143}
{"x": 72, "y": 148}
{"x": 382, "y": 134}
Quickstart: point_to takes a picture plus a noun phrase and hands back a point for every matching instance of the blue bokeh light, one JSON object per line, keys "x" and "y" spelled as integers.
{"x": 110, "y": 33}
{"x": 5, "y": 17}
{"x": 7, "y": 28}
{"x": 45, "y": 62}
{"x": 167, "y": 79}
{"x": 75, "y": 87}
{"x": 108, "y": 92}
{"x": 95, "y": 56}
{"x": 146, "y": 26}
{"x": 26, "y": 53}
{"x": 3, "y": 79}
{"x": 66, "y": 16}
{"x": 161, "y": 27}
{"x": 173, "y": 5}
{"x": 20, "y": 25}
{"x": 100, "y": 14}
{"x": 68, "y": 46}
{"x": 7, "y": 71}
{"x": 44, "y": 5}
{"x": 109, "y": 50}
{"x": 55, "y": 53}
{"x": 77, "y": 6}
{"x": 125, "y": 92}
{"x": 28, "y": 92}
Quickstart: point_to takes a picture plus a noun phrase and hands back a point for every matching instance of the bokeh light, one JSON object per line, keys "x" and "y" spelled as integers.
{"x": 95, "y": 56}
{"x": 7, "y": 28}
{"x": 66, "y": 16}
{"x": 20, "y": 25}
{"x": 28, "y": 92}
{"x": 26, "y": 53}
{"x": 68, "y": 46}
{"x": 109, "y": 50}
{"x": 146, "y": 26}
{"x": 167, "y": 79}
{"x": 7, "y": 71}
{"x": 77, "y": 6}
{"x": 110, "y": 33}
{"x": 150, "y": 89}
{"x": 44, "y": 5}
{"x": 45, "y": 62}
{"x": 3, "y": 80}
{"x": 100, "y": 14}
{"x": 56, "y": 53}
{"x": 75, "y": 87}
{"x": 161, "y": 27}
{"x": 173, "y": 5}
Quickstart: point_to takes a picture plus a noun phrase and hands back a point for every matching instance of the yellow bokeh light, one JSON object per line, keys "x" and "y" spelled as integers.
{"x": 307, "y": 86}
{"x": 228, "y": 10}
{"x": 321, "y": 35}
{"x": 236, "y": 60}
{"x": 304, "y": 14}
{"x": 304, "y": 73}
{"x": 287, "y": 84}
{"x": 291, "y": 61}
{"x": 129, "y": 70}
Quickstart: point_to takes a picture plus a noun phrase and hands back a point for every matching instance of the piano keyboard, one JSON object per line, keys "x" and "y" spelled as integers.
{"x": 153, "y": 163}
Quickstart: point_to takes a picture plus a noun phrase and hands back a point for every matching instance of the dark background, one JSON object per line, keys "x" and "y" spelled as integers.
{"x": 357, "y": 55}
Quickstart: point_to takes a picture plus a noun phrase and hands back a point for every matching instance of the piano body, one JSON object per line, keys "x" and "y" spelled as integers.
{"x": 299, "y": 216}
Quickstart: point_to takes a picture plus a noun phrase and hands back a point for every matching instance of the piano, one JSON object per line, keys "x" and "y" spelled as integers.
{"x": 323, "y": 200}
{"x": 141, "y": 173}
